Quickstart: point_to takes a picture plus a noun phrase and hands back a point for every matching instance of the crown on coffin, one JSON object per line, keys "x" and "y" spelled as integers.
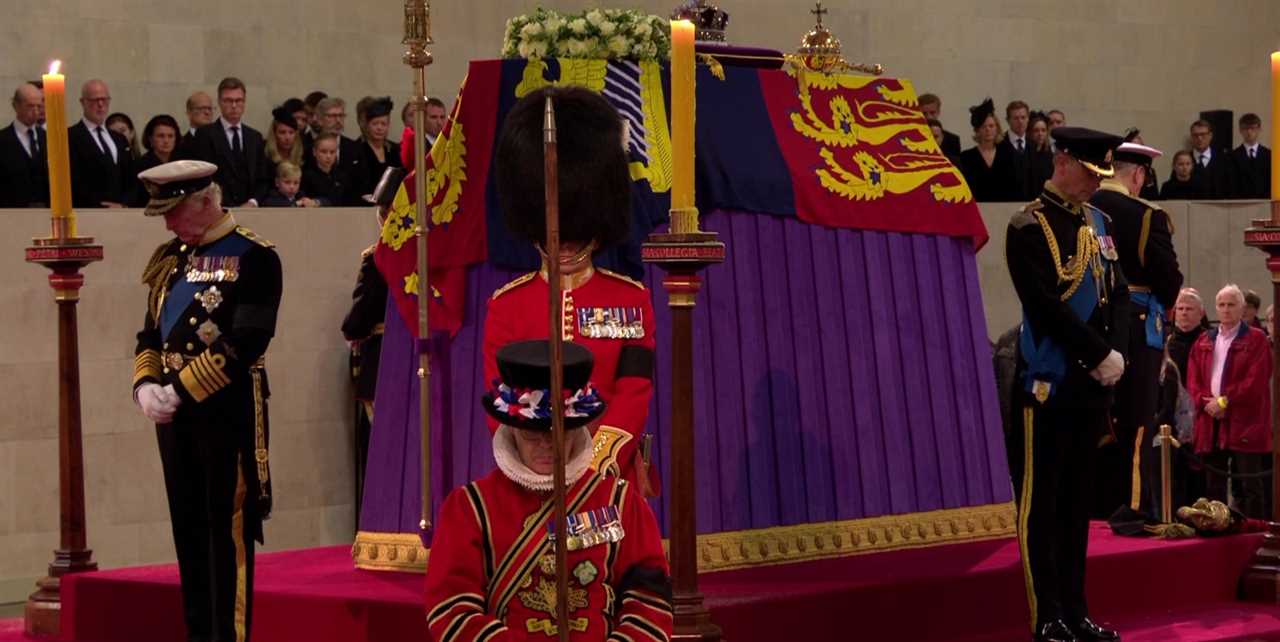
{"x": 708, "y": 19}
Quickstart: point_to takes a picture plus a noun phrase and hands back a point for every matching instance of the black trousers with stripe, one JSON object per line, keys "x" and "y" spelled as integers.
{"x": 1052, "y": 457}
{"x": 212, "y": 530}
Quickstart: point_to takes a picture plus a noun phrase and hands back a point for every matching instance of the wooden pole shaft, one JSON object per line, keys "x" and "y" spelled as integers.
{"x": 555, "y": 323}
{"x": 70, "y": 438}
{"x": 424, "y": 288}
{"x": 684, "y": 531}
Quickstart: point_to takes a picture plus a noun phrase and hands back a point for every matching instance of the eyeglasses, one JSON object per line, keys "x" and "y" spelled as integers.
{"x": 98, "y": 101}
{"x": 202, "y": 110}
{"x": 335, "y": 115}
{"x": 231, "y": 101}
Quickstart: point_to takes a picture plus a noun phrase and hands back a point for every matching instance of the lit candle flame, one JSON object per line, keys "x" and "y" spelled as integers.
{"x": 54, "y": 67}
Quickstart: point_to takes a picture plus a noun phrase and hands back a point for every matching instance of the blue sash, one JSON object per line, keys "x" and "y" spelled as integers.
{"x": 183, "y": 292}
{"x": 1044, "y": 361}
{"x": 1155, "y": 317}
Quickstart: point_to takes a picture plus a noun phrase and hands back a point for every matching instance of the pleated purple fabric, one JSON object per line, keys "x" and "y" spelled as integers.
{"x": 839, "y": 374}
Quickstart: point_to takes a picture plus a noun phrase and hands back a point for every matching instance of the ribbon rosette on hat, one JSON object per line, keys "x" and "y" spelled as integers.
{"x": 536, "y": 404}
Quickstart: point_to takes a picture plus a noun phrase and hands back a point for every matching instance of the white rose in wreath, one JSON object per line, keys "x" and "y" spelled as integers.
{"x": 530, "y": 30}
{"x": 578, "y": 26}
{"x": 618, "y": 46}
{"x": 607, "y": 28}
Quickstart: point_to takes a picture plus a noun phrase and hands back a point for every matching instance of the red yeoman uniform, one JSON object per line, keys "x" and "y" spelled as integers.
{"x": 610, "y": 315}
{"x": 491, "y": 575}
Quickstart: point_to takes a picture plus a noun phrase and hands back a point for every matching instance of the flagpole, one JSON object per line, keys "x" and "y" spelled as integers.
{"x": 417, "y": 35}
{"x": 551, "y": 176}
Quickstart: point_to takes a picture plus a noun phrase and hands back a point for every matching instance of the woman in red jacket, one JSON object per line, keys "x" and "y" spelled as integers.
{"x": 1228, "y": 379}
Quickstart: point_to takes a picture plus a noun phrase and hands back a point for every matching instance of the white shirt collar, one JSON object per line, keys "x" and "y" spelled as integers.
{"x": 1207, "y": 154}
{"x": 24, "y": 138}
{"x": 1252, "y": 149}
{"x": 92, "y": 127}
{"x": 226, "y": 126}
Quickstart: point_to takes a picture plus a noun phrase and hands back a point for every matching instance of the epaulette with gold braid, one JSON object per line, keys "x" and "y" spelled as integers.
{"x": 248, "y": 233}
{"x": 159, "y": 266}
{"x": 513, "y": 285}
{"x": 620, "y": 277}
{"x": 1026, "y": 215}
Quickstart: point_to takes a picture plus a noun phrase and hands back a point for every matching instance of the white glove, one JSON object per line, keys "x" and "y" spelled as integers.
{"x": 155, "y": 403}
{"x": 171, "y": 397}
{"x": 1109, "y": 371}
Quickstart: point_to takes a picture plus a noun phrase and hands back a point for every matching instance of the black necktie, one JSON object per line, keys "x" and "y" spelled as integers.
{"x": 1019, "y": 145}
{"x": 35, "y": 143}
{"x": 235, "y": 141}
{"x": 1253, "y": 153}
{"x": 102, "y": 142}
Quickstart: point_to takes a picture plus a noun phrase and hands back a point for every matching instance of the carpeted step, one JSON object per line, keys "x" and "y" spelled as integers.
{"x": 1217, "y": 622}
{"x": 943, "y": 593}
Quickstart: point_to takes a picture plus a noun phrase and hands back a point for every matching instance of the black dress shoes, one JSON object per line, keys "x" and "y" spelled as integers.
{"x": 1087, "y": 629}
{"x": 1055, "y": 631}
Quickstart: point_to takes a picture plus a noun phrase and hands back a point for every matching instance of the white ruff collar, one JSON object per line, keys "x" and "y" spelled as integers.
{"x": 508, "y": 458}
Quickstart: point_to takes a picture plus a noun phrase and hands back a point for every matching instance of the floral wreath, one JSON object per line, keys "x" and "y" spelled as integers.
{"x": 602, "y": 34}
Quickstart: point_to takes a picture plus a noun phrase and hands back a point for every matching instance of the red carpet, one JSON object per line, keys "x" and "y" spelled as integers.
{"x": 1168, "y": 591}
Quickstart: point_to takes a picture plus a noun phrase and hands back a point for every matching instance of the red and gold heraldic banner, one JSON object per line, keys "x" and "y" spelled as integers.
{"x": 839, "y": 150}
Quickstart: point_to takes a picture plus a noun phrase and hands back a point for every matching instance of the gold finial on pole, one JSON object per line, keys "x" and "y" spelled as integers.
{"x": 417, "y": 35}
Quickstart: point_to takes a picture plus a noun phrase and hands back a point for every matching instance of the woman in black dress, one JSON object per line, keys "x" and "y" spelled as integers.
{"x": 989, "y": 172}
{"x": 1040, "y": 154}
{"x": 379, "y": 153}
{"x": 159, "y": 137}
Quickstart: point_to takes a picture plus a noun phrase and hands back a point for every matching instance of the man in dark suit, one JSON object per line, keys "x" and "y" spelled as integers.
{"x": 931, "y": 107}
{"x": 102, "y": 173}
{"x": 1015, "y": 143}
{"x": 234, "y": 147}
{"x": 199, "y": 113}
{"x": 24, "y": 170}
{"x": 1212, "y": 170}
{"x": 1252, "y": 161}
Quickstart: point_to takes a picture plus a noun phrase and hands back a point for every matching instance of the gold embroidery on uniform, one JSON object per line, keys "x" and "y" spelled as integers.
{"x": 261, "y": 455}
{"x": 237, "y": 536}
{"x": 146, "y": 364}
{"x": 1144, "y": 237}
{"x": 542, "y": 597}
{"x": 1024, "y": 508}
{"x": 606, "y": 446}
{"x": 1087, "y": 252}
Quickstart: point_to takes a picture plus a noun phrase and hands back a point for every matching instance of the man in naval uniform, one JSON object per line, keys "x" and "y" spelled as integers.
{"x": 199, "y": 375}
{"x": 1074, "y": 298}
{"x": 1128, "y": 474}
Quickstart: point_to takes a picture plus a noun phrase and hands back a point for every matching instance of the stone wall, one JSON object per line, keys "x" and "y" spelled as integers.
{"x": 127, "y": 516}
{"x": 1111, "y": 65}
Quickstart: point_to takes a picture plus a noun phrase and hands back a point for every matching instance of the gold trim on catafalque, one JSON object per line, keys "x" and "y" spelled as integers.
{"x": 211, "y": 269}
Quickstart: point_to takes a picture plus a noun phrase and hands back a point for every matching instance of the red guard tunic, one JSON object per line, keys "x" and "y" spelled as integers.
{"x": 491, "y": 575}
{"x": 610, "y": 315}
